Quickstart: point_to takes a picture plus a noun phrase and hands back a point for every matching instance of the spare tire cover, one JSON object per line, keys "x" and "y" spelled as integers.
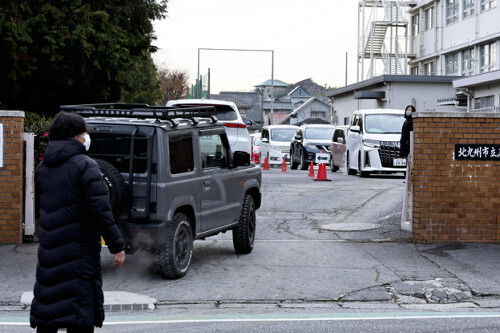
{"x": 116, "y": 186}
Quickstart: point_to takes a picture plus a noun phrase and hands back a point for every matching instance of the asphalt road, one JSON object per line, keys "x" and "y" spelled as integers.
{"x": 329, "y": 256}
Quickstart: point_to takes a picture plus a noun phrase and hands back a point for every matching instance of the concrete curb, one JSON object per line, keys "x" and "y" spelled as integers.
{"x": 113, "y": 301}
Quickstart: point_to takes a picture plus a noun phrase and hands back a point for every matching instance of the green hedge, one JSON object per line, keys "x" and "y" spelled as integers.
{"x": 38, "y": 124}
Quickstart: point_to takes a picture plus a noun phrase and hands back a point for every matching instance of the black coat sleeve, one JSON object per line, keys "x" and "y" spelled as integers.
{"x": 97, "y": 197}
{"x": 404, "y": 143}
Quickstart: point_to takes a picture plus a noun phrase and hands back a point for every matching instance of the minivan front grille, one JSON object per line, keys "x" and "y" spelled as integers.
{"x": 388, "y": 151}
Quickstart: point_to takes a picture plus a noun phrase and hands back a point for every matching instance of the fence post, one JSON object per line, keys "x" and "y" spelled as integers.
{"x": 29, "y": 199}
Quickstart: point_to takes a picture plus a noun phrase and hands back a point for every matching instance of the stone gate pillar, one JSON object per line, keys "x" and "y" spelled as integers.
{"x": 11, "y": 176}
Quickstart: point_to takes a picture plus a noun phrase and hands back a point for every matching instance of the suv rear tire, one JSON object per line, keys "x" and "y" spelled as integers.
{"x": 303, "y": 163}
{"x": 174, "y": 257}
{"x": 244, "y": 233}
{"x": 118, "y": 195}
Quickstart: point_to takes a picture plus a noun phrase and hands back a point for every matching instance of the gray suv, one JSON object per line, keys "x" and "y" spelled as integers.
{"x": 172, "y": 179}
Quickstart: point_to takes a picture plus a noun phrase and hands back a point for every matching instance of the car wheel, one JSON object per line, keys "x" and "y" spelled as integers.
{"x": 174, "y": 257}
{"x": 361, "y": 173}
{"x": 244, "y": 233}
{"x": 293, "y": 165}
{"x": 303, "y": 163}
{"x": 333, "y": 167}
{"x": 116, "y": 187}
{"x": 348, "y": 166}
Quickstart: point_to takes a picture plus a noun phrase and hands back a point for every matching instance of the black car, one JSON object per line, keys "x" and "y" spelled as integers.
{"x": 308, "y": 141}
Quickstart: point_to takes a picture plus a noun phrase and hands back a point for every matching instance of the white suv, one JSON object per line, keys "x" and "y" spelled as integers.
{"x": 373, "y": 142}
{"x": 229, "y": 115}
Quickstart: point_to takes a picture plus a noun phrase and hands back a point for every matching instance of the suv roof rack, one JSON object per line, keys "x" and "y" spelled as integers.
{"x": 143, "y": 111}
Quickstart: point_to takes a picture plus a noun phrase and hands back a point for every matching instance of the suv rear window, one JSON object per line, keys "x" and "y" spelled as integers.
{"x": 224, "y": 112}
{"x": 115, "y": 149}
{"x": 181, "y": 153}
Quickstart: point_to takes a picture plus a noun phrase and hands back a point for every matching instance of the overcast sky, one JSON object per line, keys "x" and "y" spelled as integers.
{"x": 309, "y": 39}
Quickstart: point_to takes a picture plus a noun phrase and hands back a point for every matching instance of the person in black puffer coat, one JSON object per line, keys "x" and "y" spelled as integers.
{"x": 404, "y": 143}
{"x": 74, "y": 212}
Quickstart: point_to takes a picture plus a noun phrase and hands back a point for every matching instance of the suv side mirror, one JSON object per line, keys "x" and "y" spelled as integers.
{"x": 240, "y": 158}
{"x": 355, "y": 129}
{"x": 247, "y": 122}
{"x": 264, "y": 140}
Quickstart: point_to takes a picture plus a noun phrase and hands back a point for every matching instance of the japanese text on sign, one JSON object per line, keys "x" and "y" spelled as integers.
{"x": 477, "y": 152}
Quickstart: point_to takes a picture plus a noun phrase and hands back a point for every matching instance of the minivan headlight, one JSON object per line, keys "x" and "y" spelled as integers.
{"x": 309, "y": 146}
{"x": 371, "y": 143}
{"x": 275, "y": 148}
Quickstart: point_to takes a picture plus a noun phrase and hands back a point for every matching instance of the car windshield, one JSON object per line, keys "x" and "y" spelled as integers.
{"x": 256, "y": 142}
{"x": 319, "y": 133}
{"x": 282, "y": 134}
{"x": 384, "y": 123}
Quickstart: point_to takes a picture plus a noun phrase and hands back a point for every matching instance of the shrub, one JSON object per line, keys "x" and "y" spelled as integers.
{"x": 37, "y": 124}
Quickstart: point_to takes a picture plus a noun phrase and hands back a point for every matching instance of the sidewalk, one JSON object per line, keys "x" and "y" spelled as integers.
{"x": 353, "y": 274}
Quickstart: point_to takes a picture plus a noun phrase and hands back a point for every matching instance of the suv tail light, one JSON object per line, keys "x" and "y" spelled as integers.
{"x": 233, "y": 125}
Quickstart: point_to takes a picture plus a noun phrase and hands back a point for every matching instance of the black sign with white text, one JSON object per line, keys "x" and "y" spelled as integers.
{"x": 477, "y": 152}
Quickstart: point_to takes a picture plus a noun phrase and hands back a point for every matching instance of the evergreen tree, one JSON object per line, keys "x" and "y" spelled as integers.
{"x": 73, "y": 51}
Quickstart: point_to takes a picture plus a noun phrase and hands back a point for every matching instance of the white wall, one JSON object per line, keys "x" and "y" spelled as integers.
{"x": 398, "y": 96}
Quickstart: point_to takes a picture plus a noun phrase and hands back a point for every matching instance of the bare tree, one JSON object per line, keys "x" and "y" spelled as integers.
{"x": 173, "y": 84}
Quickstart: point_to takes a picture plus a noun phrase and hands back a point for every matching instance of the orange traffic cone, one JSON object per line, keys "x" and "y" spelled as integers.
{"x": 283, "y": 167}
{"x": 266, "y": 165}
{"x": 311, "y": 170}
{"x": 322, "y": 173}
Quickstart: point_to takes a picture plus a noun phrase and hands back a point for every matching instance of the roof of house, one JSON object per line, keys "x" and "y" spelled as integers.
{"x": 278, "y": 118}
{"x": 240, "y": 103}
{"x": 390, "y": 78}
{"x": 277, "y": 83}
{"x": 303, "y": 105}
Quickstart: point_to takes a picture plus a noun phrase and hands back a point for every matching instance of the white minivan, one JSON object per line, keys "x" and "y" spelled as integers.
{"x": 275, "y": 143}
{"x": 229, "y": 115}
{"x": 373, "y": 142}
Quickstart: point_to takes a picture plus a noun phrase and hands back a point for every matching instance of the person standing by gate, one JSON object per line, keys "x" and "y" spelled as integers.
{"x": 404, "y": 143}
{"x": 74, "y": 212}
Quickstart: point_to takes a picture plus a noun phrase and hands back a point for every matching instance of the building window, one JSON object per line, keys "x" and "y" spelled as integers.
{"x": 452, "y": 64}
{"x": 451, "y": 11}
{"x": 414, "y": 24}
{"x": 318, "y": 114}
{"x": 429, "y": 68}
{"x": 483, "y": 102}
{"x": 488, "y": 57}
{"x": 468, "y": 8}
{"x": 488, "y": 4}
{"x": 414, "y": 70}
{"x": 429, "y": 18}
{"x": 468, "y": 62}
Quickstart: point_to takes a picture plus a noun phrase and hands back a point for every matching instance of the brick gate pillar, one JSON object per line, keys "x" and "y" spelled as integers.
{"x": 11, "y": 176}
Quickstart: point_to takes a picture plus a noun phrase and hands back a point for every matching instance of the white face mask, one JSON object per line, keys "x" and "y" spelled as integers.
{"x": 87, "y": 141}
{"x": 408, "y": 113}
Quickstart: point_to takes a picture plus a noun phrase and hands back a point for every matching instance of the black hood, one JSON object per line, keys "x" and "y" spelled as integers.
{"x": 60, "y": 150}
